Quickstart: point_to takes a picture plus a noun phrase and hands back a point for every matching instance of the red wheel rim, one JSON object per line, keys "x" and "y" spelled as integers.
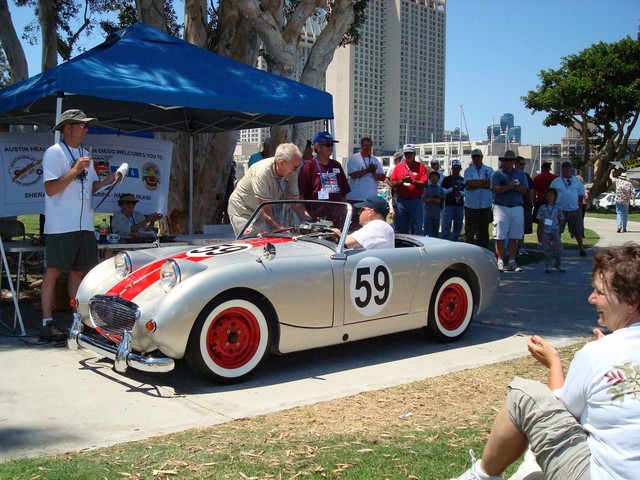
{"x": 233, "y": 338}
{"x": 453, "y": 306}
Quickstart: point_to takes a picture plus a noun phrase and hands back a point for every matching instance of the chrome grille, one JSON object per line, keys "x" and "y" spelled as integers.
{"x": 113, "y": 314}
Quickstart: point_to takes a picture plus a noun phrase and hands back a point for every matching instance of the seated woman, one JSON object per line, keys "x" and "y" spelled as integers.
{"x": 587, "y": 425}
{"x": 129, "y": 223}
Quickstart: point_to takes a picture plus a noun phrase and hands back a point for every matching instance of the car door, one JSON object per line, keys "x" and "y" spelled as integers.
{"x": 377, "y": 283}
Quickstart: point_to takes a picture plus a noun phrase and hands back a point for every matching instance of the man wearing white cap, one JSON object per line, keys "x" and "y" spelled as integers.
{"x": 70, "y": 181}
{"x": 625, "y": 195}
{"x": 435, "y": 166}
{"x": 409, "y": 179}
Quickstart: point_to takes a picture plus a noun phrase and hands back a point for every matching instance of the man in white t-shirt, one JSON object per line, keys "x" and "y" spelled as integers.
{"x": 70, "y": 181}
{"x": 364, "y": 172}
{"x": 375, "y": 231}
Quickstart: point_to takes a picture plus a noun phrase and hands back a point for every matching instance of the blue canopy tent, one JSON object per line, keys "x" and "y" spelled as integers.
{"x": 143, "y": 79}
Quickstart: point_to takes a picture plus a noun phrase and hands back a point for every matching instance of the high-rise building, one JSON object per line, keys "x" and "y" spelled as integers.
{"x": 506, "y": 129}
{"x": 390, "y": 86}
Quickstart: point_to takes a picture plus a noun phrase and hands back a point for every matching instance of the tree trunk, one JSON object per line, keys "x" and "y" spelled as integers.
{"x": 212, "y": 153}
{"x": 151, "y": 12}
{"x": 47, "y": 20}
{"x": 18, "y": 67}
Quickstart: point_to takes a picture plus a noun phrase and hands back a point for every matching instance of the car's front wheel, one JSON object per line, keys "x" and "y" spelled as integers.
{"x": 451, "y": 308}
{"x": 230, "y": 339}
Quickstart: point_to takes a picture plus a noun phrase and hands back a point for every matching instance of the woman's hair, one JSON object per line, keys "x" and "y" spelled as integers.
{"x": 620, "y": 268}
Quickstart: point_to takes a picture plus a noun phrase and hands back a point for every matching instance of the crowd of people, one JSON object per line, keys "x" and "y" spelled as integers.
{"x": 426, "y": 201}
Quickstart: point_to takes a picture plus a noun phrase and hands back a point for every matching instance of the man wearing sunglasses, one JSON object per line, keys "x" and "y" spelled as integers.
{"x": 323, "y": 178}
{"x": 274, "y": 178}
{"x": 69, "y": 184}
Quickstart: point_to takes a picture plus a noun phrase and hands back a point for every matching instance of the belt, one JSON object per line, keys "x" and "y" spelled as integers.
{"x": 508, "y": 206}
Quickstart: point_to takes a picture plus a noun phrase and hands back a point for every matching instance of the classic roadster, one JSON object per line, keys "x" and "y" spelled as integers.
{"x": 294, "y": 286}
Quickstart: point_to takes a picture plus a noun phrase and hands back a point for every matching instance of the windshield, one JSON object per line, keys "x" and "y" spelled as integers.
{"x": 300, "y": 219}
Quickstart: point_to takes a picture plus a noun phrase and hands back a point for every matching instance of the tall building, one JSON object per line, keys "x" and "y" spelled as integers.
{"x": 390, "y": 86}
{"x": 506, "y": 129}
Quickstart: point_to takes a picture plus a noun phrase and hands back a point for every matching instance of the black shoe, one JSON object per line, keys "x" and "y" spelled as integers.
{"x": 583, "y": 253}
{"x": 52, "y": 333}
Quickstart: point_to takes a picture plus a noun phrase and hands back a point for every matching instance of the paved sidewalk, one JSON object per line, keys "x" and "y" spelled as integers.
{"x": 54, "y": 400}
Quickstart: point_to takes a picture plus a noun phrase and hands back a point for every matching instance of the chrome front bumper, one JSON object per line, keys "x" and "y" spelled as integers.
{"x": 121, "y": 354}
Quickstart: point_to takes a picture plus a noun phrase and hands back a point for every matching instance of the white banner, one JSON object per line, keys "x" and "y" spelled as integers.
{"x": 148, "y": 178}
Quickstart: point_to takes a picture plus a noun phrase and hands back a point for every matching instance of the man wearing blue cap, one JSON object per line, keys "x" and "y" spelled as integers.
{"x": 323, "y": 178}
{"x": 375, "y": 231}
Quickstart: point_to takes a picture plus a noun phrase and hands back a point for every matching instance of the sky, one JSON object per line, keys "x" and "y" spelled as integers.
{"x": 495, "y": 51}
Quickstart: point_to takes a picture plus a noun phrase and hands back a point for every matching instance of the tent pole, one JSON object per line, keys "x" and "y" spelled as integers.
{"x": 58, "y": 113}
{"x": 190, "y": 184}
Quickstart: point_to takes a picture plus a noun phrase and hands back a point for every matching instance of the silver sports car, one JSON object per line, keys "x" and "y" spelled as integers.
{"x": 291, "y": 286}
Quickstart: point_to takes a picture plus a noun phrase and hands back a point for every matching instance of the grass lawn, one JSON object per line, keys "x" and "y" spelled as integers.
{"x": 634, "y": 214}
{"x": 419, "y": 431}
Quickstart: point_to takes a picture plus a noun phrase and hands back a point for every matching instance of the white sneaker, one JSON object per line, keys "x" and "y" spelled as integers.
{"x": 523, "y": 253}
{"x": 558, "y": 270}
{"x": 548, "y": 269}
{"x": 513, "y": 267}
{"x": 501, "y": 265}
{"x": 471, "y": 473}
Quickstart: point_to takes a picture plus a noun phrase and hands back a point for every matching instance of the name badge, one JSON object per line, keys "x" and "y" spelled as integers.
{"x": 548, "y": 222}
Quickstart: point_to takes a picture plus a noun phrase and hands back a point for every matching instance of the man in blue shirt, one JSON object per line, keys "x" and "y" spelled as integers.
{"x": 478, "y": 200}
{"x": 265, "y": 153}
{"x": 508, "y": 185}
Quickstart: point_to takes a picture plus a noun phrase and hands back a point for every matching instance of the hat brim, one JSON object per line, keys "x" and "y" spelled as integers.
{"x": 60, "y": 125}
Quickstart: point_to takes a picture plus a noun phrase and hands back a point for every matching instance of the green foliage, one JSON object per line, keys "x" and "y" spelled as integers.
{"x": 596, "y": 91}
{"x": 5, "y": 74}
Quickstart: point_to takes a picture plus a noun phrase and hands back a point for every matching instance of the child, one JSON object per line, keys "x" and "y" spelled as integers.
{"x": 433, "y": 197}
{"x": 548, "y": 218}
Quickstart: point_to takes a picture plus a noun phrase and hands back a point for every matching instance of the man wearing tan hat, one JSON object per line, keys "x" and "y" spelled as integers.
{"x": 129, "y": 223}
{"x": 70, "y": 181}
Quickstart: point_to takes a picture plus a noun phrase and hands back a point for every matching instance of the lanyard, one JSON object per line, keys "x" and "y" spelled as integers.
{"x": 322, "y": 175}
{"x": 81, "y": 176}
{"x": 286, "y": 186}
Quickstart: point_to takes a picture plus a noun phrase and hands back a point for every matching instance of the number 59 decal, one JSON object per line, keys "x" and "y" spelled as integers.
{"x": 371, "y": 286}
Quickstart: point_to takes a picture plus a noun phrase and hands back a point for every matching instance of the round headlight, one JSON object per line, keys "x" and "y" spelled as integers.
{"x": 123, "y": 265}
{"x": 169, "y": 275}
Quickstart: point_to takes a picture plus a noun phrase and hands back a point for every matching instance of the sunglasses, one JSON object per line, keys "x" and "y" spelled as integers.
{"x": 128, "y": 203}
{"x": 82, "y": 125}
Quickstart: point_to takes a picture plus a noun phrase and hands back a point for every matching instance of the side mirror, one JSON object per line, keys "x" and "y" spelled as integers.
{"x": 268, "y": 253}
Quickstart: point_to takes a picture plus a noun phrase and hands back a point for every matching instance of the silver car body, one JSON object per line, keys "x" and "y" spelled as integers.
{"x": 312, "y": 290}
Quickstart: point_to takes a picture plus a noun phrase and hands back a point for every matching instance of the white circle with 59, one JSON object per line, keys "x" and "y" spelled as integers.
{"x": 371, "y": 286}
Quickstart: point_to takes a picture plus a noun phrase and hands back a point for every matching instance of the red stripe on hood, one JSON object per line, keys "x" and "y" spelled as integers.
{"x": 146, "y": 276}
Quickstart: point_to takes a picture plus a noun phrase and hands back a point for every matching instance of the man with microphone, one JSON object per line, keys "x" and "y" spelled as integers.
{"x": 70, "y": 181}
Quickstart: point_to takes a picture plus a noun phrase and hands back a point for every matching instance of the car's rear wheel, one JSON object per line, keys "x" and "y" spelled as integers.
{"x": 451, "y": 308}
{"x": 230, "y": 339}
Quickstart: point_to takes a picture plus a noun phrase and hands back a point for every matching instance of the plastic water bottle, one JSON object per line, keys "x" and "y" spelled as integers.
{"x": 104, "y": 230}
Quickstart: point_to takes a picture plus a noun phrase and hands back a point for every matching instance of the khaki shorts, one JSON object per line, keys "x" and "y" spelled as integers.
{"x": 69, "y": 251}
{"x": 508, "y": 222}
{"x": 556, "y": 438}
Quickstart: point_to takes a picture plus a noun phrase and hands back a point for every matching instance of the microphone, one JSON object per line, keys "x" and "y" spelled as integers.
{"x": 121, "y": 173}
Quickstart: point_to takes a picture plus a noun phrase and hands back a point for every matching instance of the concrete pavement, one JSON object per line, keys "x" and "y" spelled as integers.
{"x": 54, "y": 400}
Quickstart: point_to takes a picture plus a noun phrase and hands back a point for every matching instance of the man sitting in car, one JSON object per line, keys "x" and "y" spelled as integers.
{"x": 375, "y": 231}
